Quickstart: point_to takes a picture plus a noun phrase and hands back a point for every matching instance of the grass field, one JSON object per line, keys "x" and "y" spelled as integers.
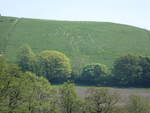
{"x": 82, "y": 42}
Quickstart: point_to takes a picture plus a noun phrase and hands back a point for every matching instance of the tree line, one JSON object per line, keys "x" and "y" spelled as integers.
{"x": 25, "y": 92}
{"x": 128, "y": 70}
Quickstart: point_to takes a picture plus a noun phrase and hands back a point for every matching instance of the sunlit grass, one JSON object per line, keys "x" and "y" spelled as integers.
{"x": 82, "y": 42}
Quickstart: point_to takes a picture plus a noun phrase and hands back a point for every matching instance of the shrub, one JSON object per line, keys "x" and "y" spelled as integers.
{"x": 24, "y": 92}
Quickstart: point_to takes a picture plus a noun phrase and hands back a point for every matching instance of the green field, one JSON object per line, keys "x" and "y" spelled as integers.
{"x": 82, "y": 42}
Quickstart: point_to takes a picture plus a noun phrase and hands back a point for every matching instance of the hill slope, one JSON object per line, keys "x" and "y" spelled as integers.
{"x": 83, "y": 42}
{"x": 6, "y": 24}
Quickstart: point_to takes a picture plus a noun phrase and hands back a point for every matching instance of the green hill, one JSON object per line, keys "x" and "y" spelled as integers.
{"x": 6, "y": 25}
{"x": 83, "y": 42}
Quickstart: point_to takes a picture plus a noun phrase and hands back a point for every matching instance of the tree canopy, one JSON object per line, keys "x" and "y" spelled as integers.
{"x": 94, "y": 73}
{"x": 26, "y": 58}
{"x": 54, "y": 65}
{"x": 132, "y": 70}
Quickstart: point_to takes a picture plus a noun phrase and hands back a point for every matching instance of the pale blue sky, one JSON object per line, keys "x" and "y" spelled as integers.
{"x": 132, "y": 12}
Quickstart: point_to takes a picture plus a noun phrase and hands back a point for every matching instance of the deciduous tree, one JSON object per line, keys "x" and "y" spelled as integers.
{"x": 26, "y": 59}
{"x": 54, "y": 65}
{"x": 69, "y": 101}
{"x": 94, "y": 73}
{"x": 100, "y": 100}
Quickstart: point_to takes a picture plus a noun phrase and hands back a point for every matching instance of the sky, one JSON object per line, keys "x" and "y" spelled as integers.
{"x": 131, "y": 12}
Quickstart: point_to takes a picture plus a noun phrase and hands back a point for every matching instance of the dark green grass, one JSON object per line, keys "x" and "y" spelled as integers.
{"x": 82, "y": 42}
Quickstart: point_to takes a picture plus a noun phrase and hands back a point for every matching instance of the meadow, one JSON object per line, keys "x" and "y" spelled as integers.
{"x": 82, "y": 42}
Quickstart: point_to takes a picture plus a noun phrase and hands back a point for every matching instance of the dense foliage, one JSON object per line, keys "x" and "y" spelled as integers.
{"x": 54, "y": 65}
{"x": 26, "y": 59}
{"x": 145, "y": 74}
{"x": 132, "y": 70}
{"x": 94, "y": 74}
{"x": 24, "y": 92}
{"x": 128, "y": 70}
{"x": 69, "y": 101}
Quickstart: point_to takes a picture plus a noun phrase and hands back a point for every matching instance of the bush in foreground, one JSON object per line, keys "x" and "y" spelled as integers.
{"x": 23, "y": 92}
{"x": 138, "y": 105}
{"x": 100, "y": 100}
{"x": 69, "y": 101}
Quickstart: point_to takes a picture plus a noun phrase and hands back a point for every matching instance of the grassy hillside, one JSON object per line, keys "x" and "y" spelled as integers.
{"x": 6, "y": 24}
{"x": 83, "y": 42}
